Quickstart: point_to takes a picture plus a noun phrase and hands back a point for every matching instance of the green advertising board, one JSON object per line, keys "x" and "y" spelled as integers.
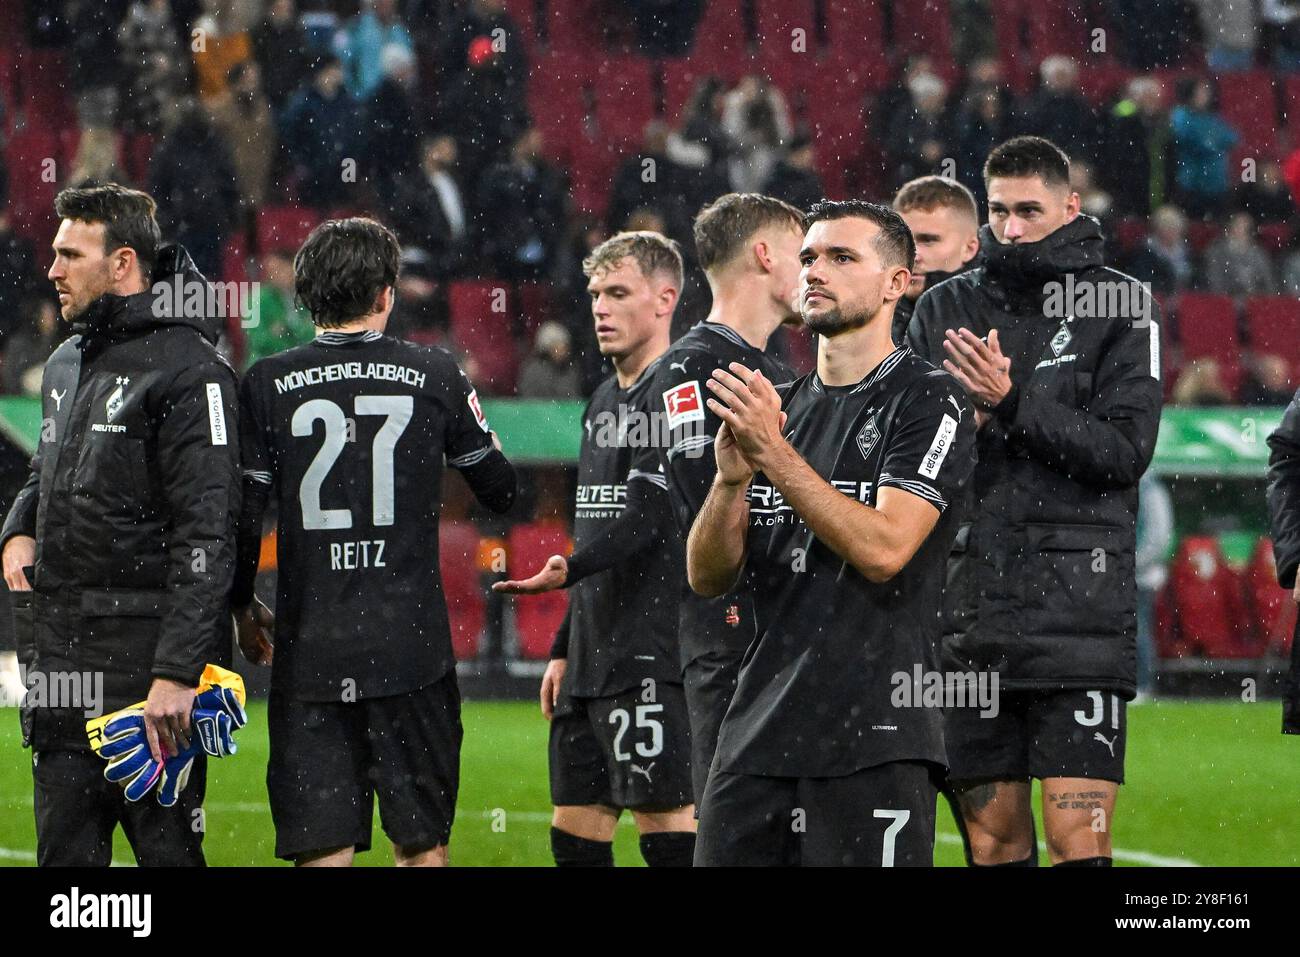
{"x": 1218, "y": 442}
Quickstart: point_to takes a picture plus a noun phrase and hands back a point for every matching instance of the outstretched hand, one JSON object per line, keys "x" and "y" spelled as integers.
{"x": 552, "y": 576}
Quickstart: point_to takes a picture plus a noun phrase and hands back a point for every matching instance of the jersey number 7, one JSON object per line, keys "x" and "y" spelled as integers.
{"x": 397, "y": 409}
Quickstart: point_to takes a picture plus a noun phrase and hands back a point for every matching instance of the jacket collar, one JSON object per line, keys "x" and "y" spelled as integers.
{"x": 1022, "y": 269}
{"x": 174, "y": 274}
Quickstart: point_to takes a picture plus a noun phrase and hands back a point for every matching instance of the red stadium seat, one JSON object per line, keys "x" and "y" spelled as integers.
{"x": 575, "y": 26}
{"x": 623, "y": 89}
{"x": 42, "y": 81}
{"x": 1130, "y": 233}
{"x": 1201, "y": 233}
{"x": 8, "y": 86}
{"x": 1207, "y": 326}
{"x": 466, "y": 604}
{"x": 720, "y": 35}
{"x": 854, "y": 29}
{"x": 536, "y": 304}
{"x": 1204, "y": 611}
{"x": 1056, "y": 26}
{"x": 34, "y": 160}
{"x": 1248, "y": 101}
{"x": 537, "y": 617}
{"x": 777, "y": 21}
{"x": 482, "y": 325}
{"x": 1273, "y": 326}
{"x": 1275, "y": 237}
{"x": 557, "y": 91}
{"x": 1271, "y": 609}
{"x": 925, "y": 27}
{"x": 284, "y": 227}
{"x": 1291, "y": 100}
{"x": 1100, "y": 82}
{"x": 680, "y": 75}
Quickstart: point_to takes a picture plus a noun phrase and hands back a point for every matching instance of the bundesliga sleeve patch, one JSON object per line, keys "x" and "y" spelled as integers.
{"x": 216, "y": 414}
{"x": 939, "y": 447}
{"x": 684, "y": 404}
{"x": 477, "y": 409}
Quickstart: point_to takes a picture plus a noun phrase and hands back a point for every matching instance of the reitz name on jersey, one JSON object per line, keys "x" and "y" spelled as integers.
{"x": 353, "y": 430}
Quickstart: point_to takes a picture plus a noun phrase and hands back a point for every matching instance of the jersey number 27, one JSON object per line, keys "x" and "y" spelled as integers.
{"x": 397, "y": 410}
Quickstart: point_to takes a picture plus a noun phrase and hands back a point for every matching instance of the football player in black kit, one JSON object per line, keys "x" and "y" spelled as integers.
{"x": 350, "y": 432}
{"x": 620, "y": 735}
{"x": 831, "y": 500}
{"x": 748, "y": 246}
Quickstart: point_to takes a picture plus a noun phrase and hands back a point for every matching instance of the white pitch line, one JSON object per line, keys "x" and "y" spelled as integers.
{"x": 542, "y": 817}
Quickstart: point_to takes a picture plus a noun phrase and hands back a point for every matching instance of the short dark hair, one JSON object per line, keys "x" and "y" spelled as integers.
{"x": 894, "y": 245}
{"x": 725, "y": 226}
{"x": 343, "y": 267}
{"x": 128, "y": 216}
{"x": 1029, "y": 156}
{"x": 928, "y": 193}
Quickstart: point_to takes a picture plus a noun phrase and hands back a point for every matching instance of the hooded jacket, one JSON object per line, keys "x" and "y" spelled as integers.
{"x": 1284, "y": 528}
{"x": 904, "y": 308}
{"x": 1041, "y": 584}
{"x": 132, "y": 499}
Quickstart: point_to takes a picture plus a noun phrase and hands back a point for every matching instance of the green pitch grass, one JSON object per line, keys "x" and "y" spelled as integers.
{"x": 1209, "y": 783}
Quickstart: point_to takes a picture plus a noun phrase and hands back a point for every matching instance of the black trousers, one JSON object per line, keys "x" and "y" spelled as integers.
{"x": 77, "y": 810}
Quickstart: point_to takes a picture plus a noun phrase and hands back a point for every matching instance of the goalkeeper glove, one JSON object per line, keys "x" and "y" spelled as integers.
{"x": 121, "y": 738}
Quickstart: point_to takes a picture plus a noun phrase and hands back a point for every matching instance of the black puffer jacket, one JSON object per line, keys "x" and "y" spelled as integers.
{"x": 132, "y": 500}
{"x": 1041, "y": 583}
{"x": 1284, "y": 527}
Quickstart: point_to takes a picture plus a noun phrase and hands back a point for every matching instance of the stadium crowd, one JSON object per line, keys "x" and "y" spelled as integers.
{"x": 504, "y": 139}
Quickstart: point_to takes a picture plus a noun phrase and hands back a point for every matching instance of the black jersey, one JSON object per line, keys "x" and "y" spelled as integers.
{"x": 350, "y": 430}
{"x": 623, "y": 620}
{"x": 816, "y": 695}
{"x": 726, "y": 622}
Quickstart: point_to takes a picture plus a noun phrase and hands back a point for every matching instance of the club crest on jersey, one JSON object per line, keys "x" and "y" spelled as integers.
{"x": 868, "y": 435}
{"x": 117, "y": 399}
{"x": 477, "y": 409}
{"x": 1061, "y": 339}
{"x": 684, "y": 404}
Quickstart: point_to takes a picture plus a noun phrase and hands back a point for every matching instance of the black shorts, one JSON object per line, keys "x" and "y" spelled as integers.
{"x": 1039, "y": 734}
{"x": 622, "y": 751}
{"x": 77, "y": 809}
{"x": 329, "y": 759}
{"x": 881, "y": 816}
{"x": 710, "y": 683}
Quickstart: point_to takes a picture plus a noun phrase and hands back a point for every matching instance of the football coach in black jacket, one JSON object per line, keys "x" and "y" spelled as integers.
{"x": 1284, "y": 526}
{"x": 1061, "y": 358}
{"x": 119, "y": 550}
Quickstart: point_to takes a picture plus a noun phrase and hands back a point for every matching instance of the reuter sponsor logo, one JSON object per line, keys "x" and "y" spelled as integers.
{"x": 75, "y": 910}
{"x": 683, "y": 403}
{"x": 600, "y": 501}
{"x": 939, "y": 447}
{"x": 768, "y": 507}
